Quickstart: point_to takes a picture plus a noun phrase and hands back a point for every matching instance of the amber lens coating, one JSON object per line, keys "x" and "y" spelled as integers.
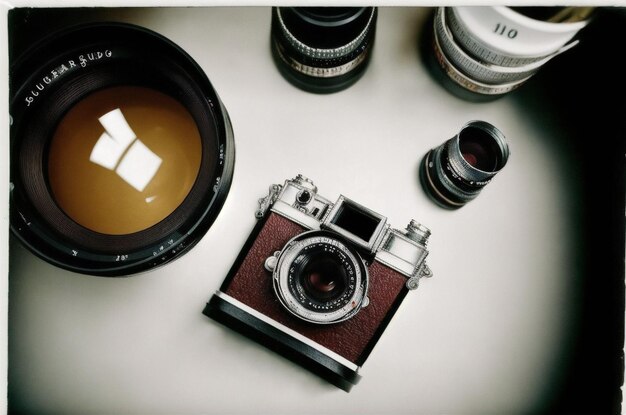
{"x": 123, "y": 158}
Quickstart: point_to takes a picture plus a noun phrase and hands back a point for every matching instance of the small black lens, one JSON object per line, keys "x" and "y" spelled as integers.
{"x": 322, "y": 49}
{"x": 455, "y": 172}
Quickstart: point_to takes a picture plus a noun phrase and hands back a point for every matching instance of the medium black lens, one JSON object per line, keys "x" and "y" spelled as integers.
{"x": 322, "y": 49}
{"x": 455, "y": 172}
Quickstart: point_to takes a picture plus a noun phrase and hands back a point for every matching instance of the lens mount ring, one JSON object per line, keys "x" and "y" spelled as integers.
{"x": 295, "y": 297}
{"x": 319, "y": 53}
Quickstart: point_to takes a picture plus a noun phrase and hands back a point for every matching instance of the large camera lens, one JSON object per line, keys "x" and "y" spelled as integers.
{"x": 122, "y": 151}
{"x": 455, "y": 172}
{"x": 481, "y": 53}
{"x": 320, "y": 278}
{"x": 322, "y": 49}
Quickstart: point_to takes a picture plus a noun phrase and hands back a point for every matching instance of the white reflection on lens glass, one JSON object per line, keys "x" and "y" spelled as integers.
{"x": 137, "y": 165}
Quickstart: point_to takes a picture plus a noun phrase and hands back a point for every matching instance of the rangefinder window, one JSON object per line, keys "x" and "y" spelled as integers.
{"x": 354, "y": 220}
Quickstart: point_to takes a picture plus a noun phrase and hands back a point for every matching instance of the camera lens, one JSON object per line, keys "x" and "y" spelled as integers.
{"x": 455, "y": 172}
{"x": 320, "y": 279}
{"x": 123, "y": 153}
{"x": 322, "y": 49}
{"x": 481, "y": 53}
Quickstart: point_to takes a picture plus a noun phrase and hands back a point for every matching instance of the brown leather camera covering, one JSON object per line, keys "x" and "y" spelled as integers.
{"x": 252, "y": 285}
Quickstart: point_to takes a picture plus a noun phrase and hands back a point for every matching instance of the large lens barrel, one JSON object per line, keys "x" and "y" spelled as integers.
{"x": 122, "y": 152}
{"x": 455, "y": 172}
{"x": 485, "y": 52}
{"x": 322, "y": 49}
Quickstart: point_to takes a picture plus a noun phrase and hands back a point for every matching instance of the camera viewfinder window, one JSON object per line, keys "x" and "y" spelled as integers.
{"x": 356, "y": 221}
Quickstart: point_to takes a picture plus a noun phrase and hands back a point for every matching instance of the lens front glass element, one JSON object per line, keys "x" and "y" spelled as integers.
{"x": 323, "y": 277}
{"x": 123, "y": 158}
{"x": 479, "y": 149}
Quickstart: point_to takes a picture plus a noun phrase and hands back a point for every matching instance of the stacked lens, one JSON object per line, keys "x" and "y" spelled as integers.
{"x": 322, "y": 49}
{"x": 489, "y": 51}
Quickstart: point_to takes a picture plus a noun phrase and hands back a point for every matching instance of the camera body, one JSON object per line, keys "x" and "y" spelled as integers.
{"x": 317, "y": 281}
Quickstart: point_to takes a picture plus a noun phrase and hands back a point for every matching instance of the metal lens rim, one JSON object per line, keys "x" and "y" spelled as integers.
{"x": 281, "y": 285}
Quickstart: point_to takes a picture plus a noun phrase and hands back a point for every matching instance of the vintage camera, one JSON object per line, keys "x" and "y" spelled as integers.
{"x": 318, "y": 282}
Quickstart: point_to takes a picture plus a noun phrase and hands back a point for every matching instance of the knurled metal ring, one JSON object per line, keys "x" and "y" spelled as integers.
{"x": 319, "y": 53}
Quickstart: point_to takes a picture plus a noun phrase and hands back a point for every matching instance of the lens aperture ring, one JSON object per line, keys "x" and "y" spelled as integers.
{"x": 321, "y": 71}
{"x": 445, "y": 176}
{"x": 322, "y": 298}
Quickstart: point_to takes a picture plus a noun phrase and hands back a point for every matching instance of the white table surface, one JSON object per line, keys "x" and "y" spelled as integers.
{"x": 482, "y": 336}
